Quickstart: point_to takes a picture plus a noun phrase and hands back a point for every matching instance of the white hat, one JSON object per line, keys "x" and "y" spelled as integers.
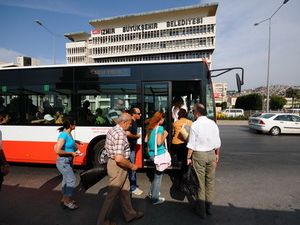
{"x": 48, "y": 117}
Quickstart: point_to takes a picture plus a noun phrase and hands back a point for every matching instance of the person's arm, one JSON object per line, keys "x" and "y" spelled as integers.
{"x": 217, "y": 144}
{"x": 189, "y": 156}
{"x": 217, "y": 152}
{"x": 78, "y": 142}
{"x": 125, "y": 163}
{"x": 132, "y": 136}
{"x": 161, "y": 136}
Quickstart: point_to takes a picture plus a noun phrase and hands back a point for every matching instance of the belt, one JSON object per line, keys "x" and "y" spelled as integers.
{"x": 204, "y": 151}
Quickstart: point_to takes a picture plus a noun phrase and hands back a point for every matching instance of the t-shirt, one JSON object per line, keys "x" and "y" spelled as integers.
{"x": 113, "y": 115}
{"x": 133, "y": 130}
{"x": 69, "y": 145}
{"x": 151, "y": 143}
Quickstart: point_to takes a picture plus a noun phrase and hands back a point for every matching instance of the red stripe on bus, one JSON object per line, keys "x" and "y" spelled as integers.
{"x": 35, "y": 152}
{"x": 43, "y": 152}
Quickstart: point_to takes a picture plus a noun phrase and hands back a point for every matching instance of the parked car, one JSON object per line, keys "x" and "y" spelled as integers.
{"x": 275, "y": 123}
{"x": 295, "y": 111}
{"x": 233, "y": 112}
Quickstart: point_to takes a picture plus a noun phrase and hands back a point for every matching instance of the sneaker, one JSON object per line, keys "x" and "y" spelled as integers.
{"x": 137, "y": 191}
{"x": 150, "y": 196}
{"x": 159, "y": 201}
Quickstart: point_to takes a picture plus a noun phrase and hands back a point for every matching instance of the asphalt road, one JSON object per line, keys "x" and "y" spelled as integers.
{"x": 258, "y": 183}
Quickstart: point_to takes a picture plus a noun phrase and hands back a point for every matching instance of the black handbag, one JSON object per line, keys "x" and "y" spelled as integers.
{"x": 190, "y": 182}
{"x": 90, "y": 177}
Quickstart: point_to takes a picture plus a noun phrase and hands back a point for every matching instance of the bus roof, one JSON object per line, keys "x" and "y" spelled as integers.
{"x": 105, "y": 64}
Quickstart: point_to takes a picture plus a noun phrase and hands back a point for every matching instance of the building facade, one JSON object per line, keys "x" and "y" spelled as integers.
{"x": 186, "y": 33}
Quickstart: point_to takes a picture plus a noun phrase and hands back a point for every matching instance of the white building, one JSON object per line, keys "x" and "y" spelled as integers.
{"x": 173, "y": 34}
{"x": 21, "y": 61}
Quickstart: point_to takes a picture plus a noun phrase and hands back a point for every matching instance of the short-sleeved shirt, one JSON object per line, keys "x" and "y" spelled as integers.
{"x": 69, "y": 145}
{"x": 176, "y": 129}
{"x": 116, "y": 143}
{"x": 133, "y": 130}
{"x": 151, "y": 142}
{"x": 204, "y": 135}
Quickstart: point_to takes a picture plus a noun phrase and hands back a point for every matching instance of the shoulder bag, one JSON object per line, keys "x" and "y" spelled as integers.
{"x": 184, "y": 132}
{"x": 162, "y": 161}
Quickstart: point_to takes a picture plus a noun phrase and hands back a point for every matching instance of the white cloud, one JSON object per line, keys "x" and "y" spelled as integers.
{"x": 8, "y": 55}
{"x": 240, "y": 43}
{"x": 65, "y": 7}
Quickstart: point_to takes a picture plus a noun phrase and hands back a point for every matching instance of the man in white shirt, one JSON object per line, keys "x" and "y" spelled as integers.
{"x": 203, "y": 153}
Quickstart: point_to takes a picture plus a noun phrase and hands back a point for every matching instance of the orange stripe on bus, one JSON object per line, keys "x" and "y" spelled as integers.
{"x": 43, "y": 152}
{"x": 35, "y": 152}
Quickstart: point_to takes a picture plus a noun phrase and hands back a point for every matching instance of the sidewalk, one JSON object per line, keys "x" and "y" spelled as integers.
{"x": 232, "y": 122}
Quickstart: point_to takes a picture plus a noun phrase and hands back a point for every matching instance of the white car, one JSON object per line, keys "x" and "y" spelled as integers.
{"x": 233, "y": 112}
{"x": 276, "y": 123}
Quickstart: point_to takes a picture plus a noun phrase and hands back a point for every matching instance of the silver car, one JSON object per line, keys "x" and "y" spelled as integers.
{"x": 275, "y": 123}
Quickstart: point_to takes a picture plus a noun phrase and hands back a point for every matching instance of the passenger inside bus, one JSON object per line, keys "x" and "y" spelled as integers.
{"x": 115, "y": 111}
{"x": 59, "y": 117}
{"x": 100, "y": 119}
{"x": 2, "y": 106}
{"x": 177, "y": 103}
{"x": 4, "y": 118}
{"x": 86, "y": 117}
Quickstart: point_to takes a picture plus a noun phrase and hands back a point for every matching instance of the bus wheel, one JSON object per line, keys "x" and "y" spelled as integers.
{"x": 100, "y": 158}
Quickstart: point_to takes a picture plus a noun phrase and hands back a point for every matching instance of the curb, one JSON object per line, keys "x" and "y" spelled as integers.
{"x": 232, "y": 122}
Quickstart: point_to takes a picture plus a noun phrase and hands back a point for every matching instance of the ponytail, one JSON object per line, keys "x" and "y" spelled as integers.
{"x": 67, "y": 123}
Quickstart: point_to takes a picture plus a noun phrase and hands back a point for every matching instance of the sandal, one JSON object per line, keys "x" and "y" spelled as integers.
{"x": 70, "y": 205}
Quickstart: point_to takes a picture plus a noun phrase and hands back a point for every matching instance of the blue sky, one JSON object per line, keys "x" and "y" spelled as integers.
{"x": 238, "y": 42}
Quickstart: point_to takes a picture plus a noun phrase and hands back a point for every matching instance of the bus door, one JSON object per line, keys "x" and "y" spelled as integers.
{"x": 156, "y": 97}
{"x": 184, "y": 95}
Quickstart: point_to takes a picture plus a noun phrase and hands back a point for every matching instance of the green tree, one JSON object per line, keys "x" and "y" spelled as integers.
{"x": 277, "y": 102}
{"x": 249, "y": 102}
{"x": 292, "y": 93}
{"x": 223, "y": 105}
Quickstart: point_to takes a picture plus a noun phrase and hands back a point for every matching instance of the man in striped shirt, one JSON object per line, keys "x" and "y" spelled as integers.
{"x": 118, "y": 151}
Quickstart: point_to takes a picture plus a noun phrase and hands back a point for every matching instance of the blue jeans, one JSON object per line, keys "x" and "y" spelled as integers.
{"x": 64, "y": 165}
{"x": 155, "y": 186}
{"x": 132, "y": 174}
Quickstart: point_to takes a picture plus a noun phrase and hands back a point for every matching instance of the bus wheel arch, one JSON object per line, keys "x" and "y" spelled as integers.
{"x": 95, "y": 148}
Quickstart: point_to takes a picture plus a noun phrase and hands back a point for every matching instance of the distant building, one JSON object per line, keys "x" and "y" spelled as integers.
{"x": 290, "y": 104}
{"x": 21, "y": 61}
{"x": 165, "y": 35}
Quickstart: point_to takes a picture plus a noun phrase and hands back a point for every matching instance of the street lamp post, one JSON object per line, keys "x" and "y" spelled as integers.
{"x": 269, "y": 51}
{"x": 53, "y": 36}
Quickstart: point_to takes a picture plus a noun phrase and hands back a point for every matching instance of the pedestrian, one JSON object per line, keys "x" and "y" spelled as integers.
{"x": 66, "y": 150}
{"x": 118, "y": 151}
{"x": 4, "y": 166}
{"x": 155, "y": 130}
{"x": 133, "y": 136}
{"x": 203, "y": 153}
{"x": 177, "y": 104}
{"x": 179, "y": 150}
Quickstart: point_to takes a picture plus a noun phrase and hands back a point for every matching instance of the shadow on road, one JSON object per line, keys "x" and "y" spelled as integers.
{"x": 19, "y": 206}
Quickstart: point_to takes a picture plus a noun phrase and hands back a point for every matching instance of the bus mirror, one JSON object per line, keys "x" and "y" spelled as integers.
{"x": 238, "y": 82}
